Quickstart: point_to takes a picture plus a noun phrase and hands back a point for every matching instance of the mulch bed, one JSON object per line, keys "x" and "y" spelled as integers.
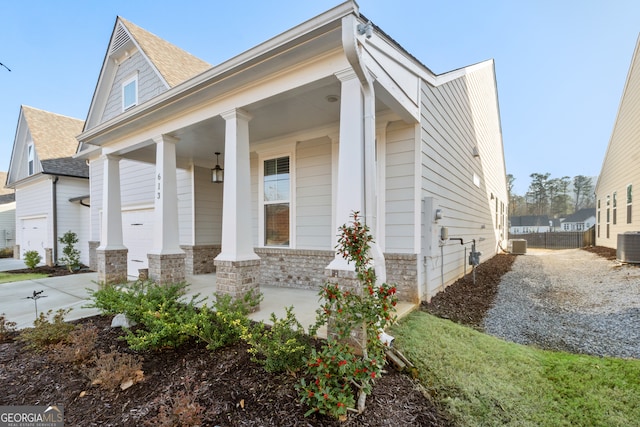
{"x": 51, "y": 271}
{"x": 233, "y": 390}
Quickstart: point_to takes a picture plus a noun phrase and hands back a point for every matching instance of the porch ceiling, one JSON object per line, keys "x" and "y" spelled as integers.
{"x": 306, "y": 107}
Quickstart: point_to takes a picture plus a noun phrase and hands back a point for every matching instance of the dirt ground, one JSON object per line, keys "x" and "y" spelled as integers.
{"x": 231, "y": 389}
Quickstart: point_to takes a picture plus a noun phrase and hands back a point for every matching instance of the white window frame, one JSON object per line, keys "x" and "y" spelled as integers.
{"x": 125, "y": 84}
{"x": 262, "y": 157}
{"x": 31, "y": 162}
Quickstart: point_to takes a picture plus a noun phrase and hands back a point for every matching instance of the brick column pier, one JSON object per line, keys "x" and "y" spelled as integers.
{"x": 112, "y": 266}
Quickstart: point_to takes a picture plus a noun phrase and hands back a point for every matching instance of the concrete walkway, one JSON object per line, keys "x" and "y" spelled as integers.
{"x": 71, "y": 292}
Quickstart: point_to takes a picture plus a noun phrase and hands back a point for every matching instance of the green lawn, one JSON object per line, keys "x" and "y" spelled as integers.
{"x": 8, "y": 277}
{"x": 484, "y": 381}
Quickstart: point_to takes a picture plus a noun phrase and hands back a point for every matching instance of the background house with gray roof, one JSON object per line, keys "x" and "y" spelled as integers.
{"x": 51, "y": 187}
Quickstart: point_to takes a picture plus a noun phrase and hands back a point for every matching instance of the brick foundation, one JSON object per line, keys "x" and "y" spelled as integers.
{"x": 167, "y": 268}
{"x": 293, "y": 268}
{"x": 93, "y": 256}
{"x": 238, "y": 278}
{"x": 112, "y": 266}
{"x": 200, "y": 259}
{"x": 402, "y": 272}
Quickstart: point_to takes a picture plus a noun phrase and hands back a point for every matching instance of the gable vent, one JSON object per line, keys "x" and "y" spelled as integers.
{"x": 120, "y": 39}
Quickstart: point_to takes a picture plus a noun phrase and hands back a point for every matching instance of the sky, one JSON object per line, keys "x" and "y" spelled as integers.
{"x": 561, "y": 65}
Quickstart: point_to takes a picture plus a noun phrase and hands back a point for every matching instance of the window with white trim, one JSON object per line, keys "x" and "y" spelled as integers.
{"x": 31, "y": 159}
{"x": 130, "y": 92}
{"x": 277, "y": 201}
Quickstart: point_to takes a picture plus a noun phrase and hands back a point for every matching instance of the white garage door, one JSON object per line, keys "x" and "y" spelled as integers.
{"x": 34, "y": 236}
{"x": 137, "y": 236}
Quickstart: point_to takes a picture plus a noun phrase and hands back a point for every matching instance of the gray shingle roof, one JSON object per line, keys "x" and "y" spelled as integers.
{"x": 175, "y": 64}
{"x": 581, "y": 215}
{"x": 529, "y": 221}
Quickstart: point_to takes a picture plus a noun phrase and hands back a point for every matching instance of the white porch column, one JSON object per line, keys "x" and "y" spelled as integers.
{"x": 237, "y": 242}
{"x": 111, "y": 255}
{"x": 237, "y": 265}
{"x": 166, "y": 239}
{"x": 350, "y": 188}
{"x": 166, "y": 259}
{"x": 111, "y": 229}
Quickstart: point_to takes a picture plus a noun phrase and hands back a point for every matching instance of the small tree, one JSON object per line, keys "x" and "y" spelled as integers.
{"x": 70, "y": 255}
{"x": 32, "y": 259}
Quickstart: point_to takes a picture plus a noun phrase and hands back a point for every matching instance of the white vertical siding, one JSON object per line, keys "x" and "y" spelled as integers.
{"x": 208, "y": 208}
{"x": 399, "y": 188}
{"x": 73, "y": 216}
{"x": 457, "y": 117}
{"x": 149, "y": 85}
{"x": 620, "y": 165}
{"x": 313, "y": 194}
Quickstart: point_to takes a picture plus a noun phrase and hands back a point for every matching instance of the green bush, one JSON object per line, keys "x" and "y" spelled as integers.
{"x": 165, "y": 319}
{"x": 281, "y": 347}
{"x": 46, "y": 333}
{"x": 32, "y": 259}
{"x": 70, "y": 255}
{"x": 224, "y": 323}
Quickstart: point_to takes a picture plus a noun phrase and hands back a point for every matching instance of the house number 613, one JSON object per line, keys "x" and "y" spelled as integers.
{"x": 159, "y": 177}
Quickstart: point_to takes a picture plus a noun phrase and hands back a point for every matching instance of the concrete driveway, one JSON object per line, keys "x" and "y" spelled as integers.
{"x": 58, "y": 292}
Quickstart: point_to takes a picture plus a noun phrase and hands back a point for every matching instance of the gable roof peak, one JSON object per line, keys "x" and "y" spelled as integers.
{"x": 53, "y": 135}
{"x": 175, "y": 65}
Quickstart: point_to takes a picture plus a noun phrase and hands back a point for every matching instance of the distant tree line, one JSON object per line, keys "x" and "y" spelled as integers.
{"x": 554, "y": 197}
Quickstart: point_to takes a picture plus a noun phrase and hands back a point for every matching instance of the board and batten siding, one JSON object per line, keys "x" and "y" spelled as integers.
{"x": 149, "y": 84}
{"x": 313, "y": 194}
{"x": 458, "y": 118}
{"x": 34, "y": 200}
{"x": 73, "y": 216}
{"x": 400, "y": 188}
{"x": 620, "y": 165}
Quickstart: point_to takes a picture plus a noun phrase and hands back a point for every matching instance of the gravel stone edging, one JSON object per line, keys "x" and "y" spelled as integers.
{"x": 569, "y": 300}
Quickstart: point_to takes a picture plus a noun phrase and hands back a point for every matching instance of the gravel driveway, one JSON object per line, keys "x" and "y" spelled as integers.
{"x": 569, "y": 300}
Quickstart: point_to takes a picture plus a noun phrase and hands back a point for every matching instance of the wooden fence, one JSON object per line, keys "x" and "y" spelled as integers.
{"x": 559, "y": 239}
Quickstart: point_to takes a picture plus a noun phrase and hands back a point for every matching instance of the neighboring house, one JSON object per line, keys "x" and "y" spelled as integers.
{"x": 7, "y": 214}
{"x": 330, "y": 117}
{"x": 620, "y": 172}
{"x": 556, "y": 224}
{"x": 529, "y": 224}
{"x": 51, "y": 187}
{"x": 581, "y": 220}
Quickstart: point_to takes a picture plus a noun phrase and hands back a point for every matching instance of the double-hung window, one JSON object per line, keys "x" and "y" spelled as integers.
{"x": 130, "y": 92}
{"x": 277, "y": 201}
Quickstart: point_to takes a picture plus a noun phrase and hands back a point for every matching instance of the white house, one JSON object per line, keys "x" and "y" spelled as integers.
{"x": 51, "y": 187}
{"x": 582, "y": 220}
{"x": 327, "y": 118}
{"x": 7, "y": 214}
{"x": 530, "y": 224}
{"x": 614, "y": 189}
